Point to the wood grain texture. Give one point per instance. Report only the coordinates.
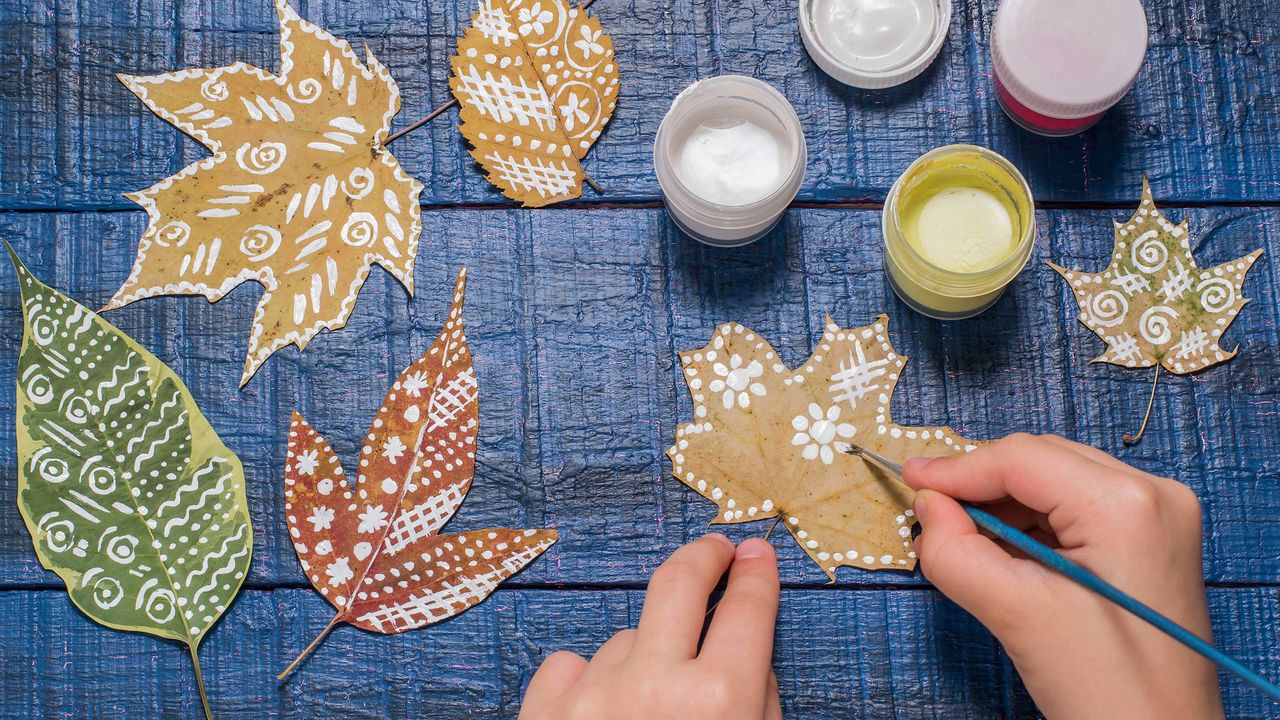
(575, 316)
(575, 325)
(875, 654)
(1201, 121)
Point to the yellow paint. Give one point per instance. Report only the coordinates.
(958, 227)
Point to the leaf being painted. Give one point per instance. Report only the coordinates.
(537, 82)
(299, 194)
(1153, 304)
(373, 547)
(128, 493)
(766, 442)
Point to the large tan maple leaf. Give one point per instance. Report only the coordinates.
(766, 442)
(298, 195)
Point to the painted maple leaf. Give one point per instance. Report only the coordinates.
(373, 548)
(766, 442)
(1153, 304)
(298, 195)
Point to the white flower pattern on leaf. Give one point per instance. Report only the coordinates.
(534, 18)
(415, 384)
(818, 431)
(572, 111)
(339, 571)
(307, 462)
(590, 42)
(321, 518)
(372, 519)
(735, 382)
(393, 449)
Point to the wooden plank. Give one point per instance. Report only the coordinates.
(575, 320)
(1201, 121)
(839, 653)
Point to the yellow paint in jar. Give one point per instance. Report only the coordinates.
(959, 225)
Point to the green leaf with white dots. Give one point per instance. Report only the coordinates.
(128, 493)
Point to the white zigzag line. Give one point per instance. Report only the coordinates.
(222, 551)
(151, 451)
(120, 396)
(199, 503)
(213, 579)
(160, 417)
(195, 482)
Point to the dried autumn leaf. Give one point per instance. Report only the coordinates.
(766, 442)
(298, 195)
(1153, 304)
(537, 83)
(128, 493)
(374, 550)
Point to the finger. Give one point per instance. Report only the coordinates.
(1040, 474)
(1094, 454)
(741, 632)
(676, 602)
(614, 651)
(966, 566)
(772, 699)
(557, 674)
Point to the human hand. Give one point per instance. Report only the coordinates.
(658, 671)
(1079, 655)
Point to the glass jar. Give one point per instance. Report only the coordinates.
(958, 226)
(730, 156)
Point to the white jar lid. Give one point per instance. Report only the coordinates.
(1068, 59)
(874, 43)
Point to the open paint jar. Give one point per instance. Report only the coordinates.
(730, 156)
(958, 226)
(874, 43)
(1059, 64)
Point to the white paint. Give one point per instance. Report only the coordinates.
(731, 161)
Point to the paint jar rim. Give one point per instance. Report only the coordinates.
(870, 75)
(717, 223)
(959, 284)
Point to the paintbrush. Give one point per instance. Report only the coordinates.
(1060, 563)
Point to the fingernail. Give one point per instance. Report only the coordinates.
(719, 538)
(754, 548)
(921, 506)
(916, 464)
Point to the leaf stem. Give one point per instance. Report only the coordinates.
(594, 185)
(1131, 439)
(204, 699)
(327, 628)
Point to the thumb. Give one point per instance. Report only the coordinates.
(967, 567)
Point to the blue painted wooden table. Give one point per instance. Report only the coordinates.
(575, 317)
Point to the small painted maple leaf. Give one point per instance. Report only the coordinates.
(537, 82)
(298, 195)
(767, 441)
(1153, 304)
(374, 548)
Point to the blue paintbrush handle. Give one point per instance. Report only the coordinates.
(1056, 561)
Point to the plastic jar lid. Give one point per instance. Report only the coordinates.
(874, 43)
(1068, 59)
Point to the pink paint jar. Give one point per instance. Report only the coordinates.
(1060, 64)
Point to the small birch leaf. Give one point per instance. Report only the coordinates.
(299, 194)
(1153, 304)
(128, 493)
(537, 82)
(767, 442)
(373, 548)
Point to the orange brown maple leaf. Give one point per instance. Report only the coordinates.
(373, 548)
(767, 442)
(299, 194)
